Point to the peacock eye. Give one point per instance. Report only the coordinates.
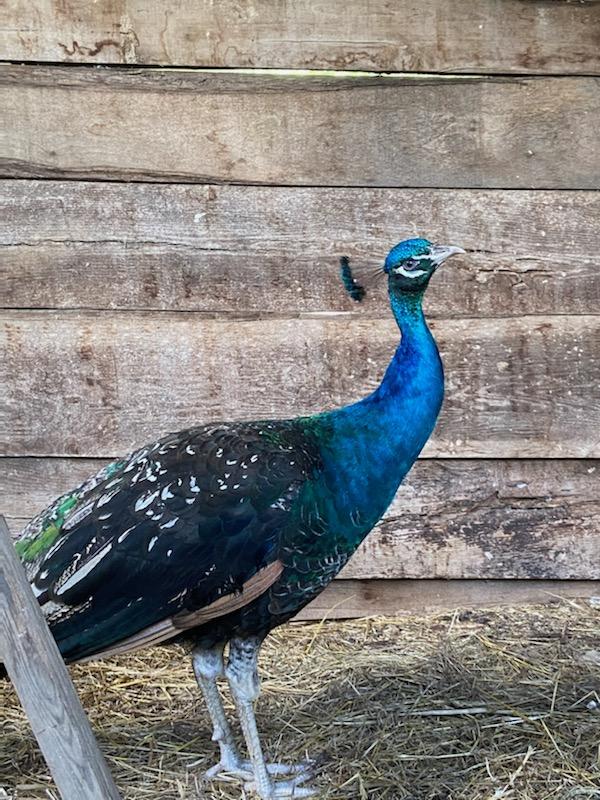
(409, 264)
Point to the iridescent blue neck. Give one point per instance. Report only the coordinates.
(376, 441)
(416, 365)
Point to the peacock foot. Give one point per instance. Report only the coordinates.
(235, 767)
(280, 789)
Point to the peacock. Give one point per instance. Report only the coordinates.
(221, 532)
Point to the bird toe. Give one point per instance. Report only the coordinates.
(302, 771)
(242, 770)
(222, 771)
(281, 789)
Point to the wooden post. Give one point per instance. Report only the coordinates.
(44, 686)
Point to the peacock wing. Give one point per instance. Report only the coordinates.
(177, 527)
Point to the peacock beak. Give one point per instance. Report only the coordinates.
(440, 252)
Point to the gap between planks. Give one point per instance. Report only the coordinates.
(226, 315)
(191, 180)
(291, 72)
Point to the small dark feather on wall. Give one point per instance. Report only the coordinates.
(351, 285)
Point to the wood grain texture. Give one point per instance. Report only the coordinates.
(266, 249)
(450, 519)
(489, 519)
(349, 599)
(430, 35)
(47, 695)
(96, 384)
(406, 131)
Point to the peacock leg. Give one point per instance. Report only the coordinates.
(208, 666)
(242, 674)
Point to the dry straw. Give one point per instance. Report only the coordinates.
(494, 705)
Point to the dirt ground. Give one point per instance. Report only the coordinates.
(465, 705)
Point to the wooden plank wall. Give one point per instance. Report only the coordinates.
(172, 221)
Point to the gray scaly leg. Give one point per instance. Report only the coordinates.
(242, 674)
(208, 666)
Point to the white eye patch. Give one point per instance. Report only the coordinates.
(413, 273)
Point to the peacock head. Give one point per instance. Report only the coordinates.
(410, 264)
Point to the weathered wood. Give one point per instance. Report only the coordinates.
(414, 131)
(348, 599)
(44, 687)
(430, 35)
(96, 384)
(489, 519)
(261, 249)
(450, 519)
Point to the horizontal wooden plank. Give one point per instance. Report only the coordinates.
(429, 35)
(95, 384)
(267, 249)
(489, 519)
(407, 131)
(450, 519)
(348, 599)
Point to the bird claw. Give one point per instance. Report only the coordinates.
(303, 771)
(282, 789)
(242, 769)
(225, 770)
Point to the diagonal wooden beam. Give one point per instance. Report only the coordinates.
(45, 689)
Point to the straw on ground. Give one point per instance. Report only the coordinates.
(476, 705)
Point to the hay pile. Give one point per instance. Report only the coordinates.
(462, 706)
